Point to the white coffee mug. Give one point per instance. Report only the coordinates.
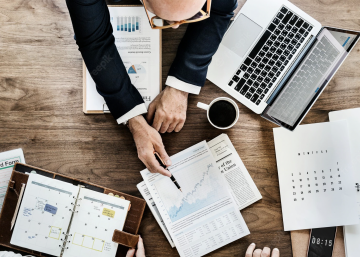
(207, 108)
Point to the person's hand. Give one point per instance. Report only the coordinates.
(140, 252)
(148, 140)
(261, 253)
(168, 110)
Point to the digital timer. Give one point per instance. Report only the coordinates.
(321, 242)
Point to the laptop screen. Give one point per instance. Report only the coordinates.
(310, 77)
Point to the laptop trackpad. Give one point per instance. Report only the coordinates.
(241, 35)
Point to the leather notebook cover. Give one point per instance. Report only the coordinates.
(300, 243)
(127, 238)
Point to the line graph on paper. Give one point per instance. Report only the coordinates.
(200, 188)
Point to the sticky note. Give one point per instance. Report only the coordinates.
(50, 208)
(108, 213)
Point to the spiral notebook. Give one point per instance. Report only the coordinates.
(61, 219)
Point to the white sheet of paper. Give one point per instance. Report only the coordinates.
(7, 162)
(154, 210)
(203, 217)
(93, 226)
(139, 50)
(231, 166)
(352, 116)
(44, 214)
(316, 176)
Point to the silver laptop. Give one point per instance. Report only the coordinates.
(276, 59)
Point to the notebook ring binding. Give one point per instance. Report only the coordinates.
(66, 234)
(78, 205)
(77, 198)
(63, 247)
(73, 211)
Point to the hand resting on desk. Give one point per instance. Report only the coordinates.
(148, 140)
(168, 110)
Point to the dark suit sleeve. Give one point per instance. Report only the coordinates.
(93, 30)
(200, 42)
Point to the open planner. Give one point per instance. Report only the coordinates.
(61, 219)
(50, 214)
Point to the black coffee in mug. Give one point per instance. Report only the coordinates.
(222, 113)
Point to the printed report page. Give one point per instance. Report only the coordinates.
(139, 48)
(204, 216)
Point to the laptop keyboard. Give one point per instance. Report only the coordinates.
(270, 55)
(305, 84)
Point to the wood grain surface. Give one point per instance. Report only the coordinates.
(41, 112)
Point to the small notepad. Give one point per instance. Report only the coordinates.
(61, 219)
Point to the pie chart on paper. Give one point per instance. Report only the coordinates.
(137, 73)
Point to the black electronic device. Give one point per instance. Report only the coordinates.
(321, 242)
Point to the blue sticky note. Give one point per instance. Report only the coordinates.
(50, 208)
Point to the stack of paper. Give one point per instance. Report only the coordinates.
(7, 162)
(215, 185)
(352, 232)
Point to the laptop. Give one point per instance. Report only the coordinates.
(276, 60)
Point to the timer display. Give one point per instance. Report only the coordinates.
(322, 242)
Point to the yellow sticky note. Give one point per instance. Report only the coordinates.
(108, 213)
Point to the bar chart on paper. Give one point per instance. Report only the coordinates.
(199, 190)
(128, 24)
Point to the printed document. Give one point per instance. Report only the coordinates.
(7, 162)
(316, 176)
(204, 216)
(352, 232)
(139, 49)
(154, 210)
(231, 166)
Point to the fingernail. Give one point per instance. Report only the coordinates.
(252, 244)
(275, 249)
(168, 162)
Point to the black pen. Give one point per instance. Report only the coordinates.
(162, 164)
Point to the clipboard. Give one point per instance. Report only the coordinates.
(105, 109)
(128, 237)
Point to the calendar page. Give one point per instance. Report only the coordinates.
(44, 214)
(316, 176)
(95, 219)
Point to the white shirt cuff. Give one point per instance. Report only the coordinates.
(181, 85)
(137, 110)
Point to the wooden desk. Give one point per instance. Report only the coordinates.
(41, 111)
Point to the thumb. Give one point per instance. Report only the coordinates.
(140, 246)
(130, 253)
(163, 154)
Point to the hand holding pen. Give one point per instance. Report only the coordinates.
(162, 164)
